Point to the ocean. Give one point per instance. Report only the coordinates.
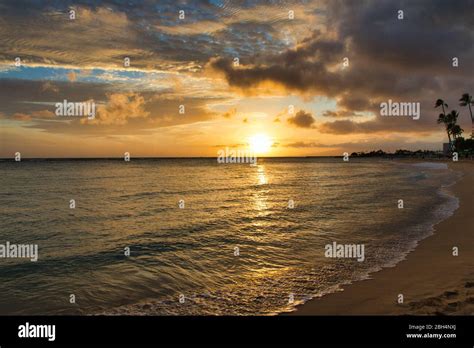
(206, 238)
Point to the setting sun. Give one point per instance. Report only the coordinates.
(260, 143)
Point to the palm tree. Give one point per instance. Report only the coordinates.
(456, 131)
(453, 116)
(453, 127)
(440, 102)
(466, 100)
(443, 119)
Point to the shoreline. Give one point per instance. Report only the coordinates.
(431, 280)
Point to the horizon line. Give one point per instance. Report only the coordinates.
(196, 157)
(156, 157)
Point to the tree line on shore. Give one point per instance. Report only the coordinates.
(399, 154)
(456, 142)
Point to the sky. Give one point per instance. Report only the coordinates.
(284, 78)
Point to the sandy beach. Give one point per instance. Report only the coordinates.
(431, 279)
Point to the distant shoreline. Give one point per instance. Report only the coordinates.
(11, 159)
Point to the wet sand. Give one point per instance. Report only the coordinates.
(431, 279)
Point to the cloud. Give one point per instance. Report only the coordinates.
(353, 101)
(231, 145)
(378, 125)
(302, 119)
(340, 113)
(302, 144)
(21, 117)
(28, 96)
(35, 115)
(49, 86)
(71, 76)
(117, 111)
(120, 107)
(230, 113)
(190, 62)
(406, 60)
(149, 33)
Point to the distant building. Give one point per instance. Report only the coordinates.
(446, 149)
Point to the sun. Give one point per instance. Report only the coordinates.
(260, 143)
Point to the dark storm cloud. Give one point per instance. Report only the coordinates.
(405, 60)
(295, 69)
(431, 33)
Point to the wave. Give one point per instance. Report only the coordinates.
(440, 213)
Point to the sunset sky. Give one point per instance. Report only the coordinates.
(190, 62)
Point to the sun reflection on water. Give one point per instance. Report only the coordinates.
(262, 179)
(261, 195)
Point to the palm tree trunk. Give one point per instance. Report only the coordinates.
(472, 121)
(447, 130)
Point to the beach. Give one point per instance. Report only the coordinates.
(431, 280)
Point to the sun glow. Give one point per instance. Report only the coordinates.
(260, 143)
